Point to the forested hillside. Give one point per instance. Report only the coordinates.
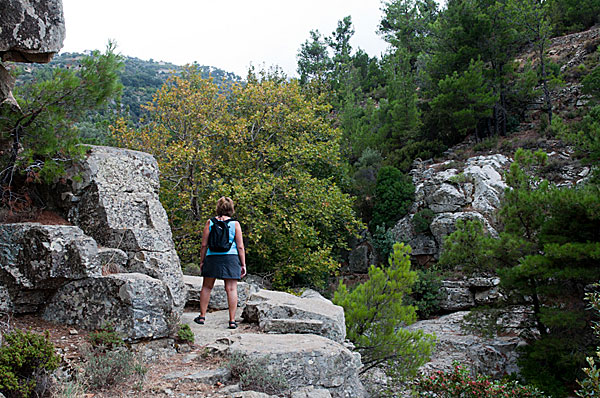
(141, 79)
(318, 162)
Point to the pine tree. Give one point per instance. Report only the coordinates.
(376, 315)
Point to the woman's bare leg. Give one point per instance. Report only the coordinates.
(232, 297)
(207, 285)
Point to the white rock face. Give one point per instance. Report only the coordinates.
(279, 312)
(307, 360)
(470, 192)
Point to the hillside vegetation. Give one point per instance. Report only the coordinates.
(314, 161)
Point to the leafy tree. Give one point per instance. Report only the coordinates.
(531, 17)
(269, 147)
(41, 138)
(590, 386)
(548, 251)
(339, 42)
(313, 60)
(568, 16)
(394, 194)
(376, 314)
(462, 101)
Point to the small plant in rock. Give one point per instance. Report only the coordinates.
(254, 374)
(185, 334)
(105, 339)
(26, 362)
(422, 220)
(459, 383)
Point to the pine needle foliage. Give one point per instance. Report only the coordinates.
(376, 315)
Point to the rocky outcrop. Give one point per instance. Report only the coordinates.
(450, 191)
(494, 356)
(137, 305)
(283, 313)
(468, 293)
(306, 360)
(218, 296)
(115, 201)
(36, 259)
(31, 31)
(116, 265)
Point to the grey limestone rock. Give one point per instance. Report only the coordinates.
(311, 392)
(307, 360)
(32, 30)
(218, 296)
(115, 200)
(6, 305)
(137, 305)
(467, 293)
(281, 312)
(494, 356)
(37, 259)
(445, 223)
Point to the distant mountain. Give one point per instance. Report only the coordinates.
(141, 79)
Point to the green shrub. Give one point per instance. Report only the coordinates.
(185, 334)
(111, 367)
(590, 386)
(26, 362)
(192, 269)
(486, 144)
(426, 293)
(254, 374)
(458, 383)
(422, 220)
(383, 241)
(376, 312)
(394, 195)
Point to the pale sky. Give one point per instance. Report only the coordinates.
(230, 35)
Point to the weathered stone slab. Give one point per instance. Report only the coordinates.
(496, 356)
(137, 305)
(211, 376)
(307, 360)
(115, 201)
(36, 259)
(32, 31)
(267, 305)
(218, 296)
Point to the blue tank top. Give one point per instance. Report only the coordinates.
(233, 249)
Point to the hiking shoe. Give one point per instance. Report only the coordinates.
(199, 320)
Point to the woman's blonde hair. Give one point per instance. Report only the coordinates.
(225, 207)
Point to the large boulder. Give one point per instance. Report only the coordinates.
(279, 312)
(218, 296)
(495, 356)
(307, 360)
(37, 259)
(138, 306)
(31, 31)
(115, 200)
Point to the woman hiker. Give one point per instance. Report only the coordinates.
(222, 256)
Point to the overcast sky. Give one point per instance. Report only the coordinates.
(230, 35)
